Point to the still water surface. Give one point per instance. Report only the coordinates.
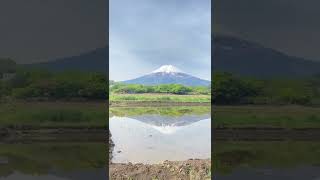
(154, 135)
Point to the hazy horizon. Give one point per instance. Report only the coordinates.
(288, 26)
(32, 31)
(144, 35)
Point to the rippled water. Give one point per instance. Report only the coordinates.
(160, 134)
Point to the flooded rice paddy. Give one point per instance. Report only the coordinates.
(153, 135)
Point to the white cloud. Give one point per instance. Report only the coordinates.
(145, 34)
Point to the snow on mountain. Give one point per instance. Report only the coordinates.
(167, 69)
(170, 125)
(168, 74)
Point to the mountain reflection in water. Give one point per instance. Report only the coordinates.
(160, 134)
(170, 125)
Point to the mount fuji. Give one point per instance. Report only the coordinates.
(168, 74)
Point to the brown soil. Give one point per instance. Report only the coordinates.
(52, 135)
(181, 170)
(265, 134)
(111, 146)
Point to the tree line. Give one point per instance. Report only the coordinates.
(33, 84)
(226, 88)
(163, 88)
(230, 89)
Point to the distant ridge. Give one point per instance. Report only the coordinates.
(230, 54)
(94, 61)
(241, 57)
(168, 74)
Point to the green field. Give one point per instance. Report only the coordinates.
(176, 111)
(159, 98)
(53, 114)
(266, 116)
(95, 114)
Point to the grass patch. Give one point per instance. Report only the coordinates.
(266, 116)
(55, 114)
(160, 98)
(162, 111)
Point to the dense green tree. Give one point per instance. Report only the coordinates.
(227, 89)
(180, 89)
(164, 88)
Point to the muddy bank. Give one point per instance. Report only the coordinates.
(190, 169)
(154, 104)
(111, 147)
(52, 134)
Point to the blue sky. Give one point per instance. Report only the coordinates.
(145, 34)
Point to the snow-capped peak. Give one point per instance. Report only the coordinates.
(167, 69)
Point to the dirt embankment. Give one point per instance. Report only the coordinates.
(11, 135)
(111, 146)
(265, 134)
(190, 169)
